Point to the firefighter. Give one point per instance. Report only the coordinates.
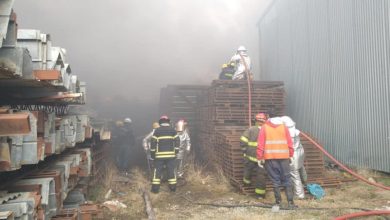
(184, 147)
(127, 142)
(242, 62)
(228, 70)
(117, 142)
(274, 151)
(298, 171)
(164, 147)
(146, 145)
(248, 143)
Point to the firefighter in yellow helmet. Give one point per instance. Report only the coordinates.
(228, 70)
(248, 143)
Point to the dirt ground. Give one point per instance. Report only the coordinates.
(212, 189)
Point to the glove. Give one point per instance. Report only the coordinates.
(260, 163)
(291, 161)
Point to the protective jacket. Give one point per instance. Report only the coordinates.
(146, 141)
(248, 142)
(240, 71)
(298, 172)
(164, 143)
(185, 144)
(227, 72)
(298, 157)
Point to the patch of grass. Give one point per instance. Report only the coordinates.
(95, 193)
(384, 180)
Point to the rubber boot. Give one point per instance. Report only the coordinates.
(172, 188)
(290, 198)
(278, 197)
(155, 188)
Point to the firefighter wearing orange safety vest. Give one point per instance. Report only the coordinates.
(248, 143)
(275, 151)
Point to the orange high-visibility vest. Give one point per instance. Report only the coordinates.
(275, 143)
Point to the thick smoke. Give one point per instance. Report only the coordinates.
(127, 50)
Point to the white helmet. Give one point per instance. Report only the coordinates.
(127, 120)
(241, 48)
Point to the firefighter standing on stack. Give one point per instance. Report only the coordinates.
(248, 142)
(164, 148)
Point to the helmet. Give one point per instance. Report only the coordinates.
(155, 125)
(232, 63)
(261, 117)
(241, 48)
(127, 120)
(119, 123)
(180, 125)
(163, 119)
(224, 65)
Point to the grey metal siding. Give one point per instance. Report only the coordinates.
(334, 57)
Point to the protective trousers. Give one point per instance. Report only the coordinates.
(159, 165)
(179, 167)
(299, 178)
(123, 158)
(279, 172)
(261, 175)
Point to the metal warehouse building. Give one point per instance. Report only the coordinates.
(334, 57)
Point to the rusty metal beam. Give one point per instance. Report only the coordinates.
(47, 74)
(14, 124)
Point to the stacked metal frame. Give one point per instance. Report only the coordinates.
(37, 89)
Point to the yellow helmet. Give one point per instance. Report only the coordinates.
(119, 123)
(155, 125)
(224, 65)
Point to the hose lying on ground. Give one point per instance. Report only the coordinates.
(361, 214)
(342, 165)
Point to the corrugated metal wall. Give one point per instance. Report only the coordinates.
(334, 57)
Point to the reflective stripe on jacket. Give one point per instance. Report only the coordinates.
(164, 143)
(248, 142)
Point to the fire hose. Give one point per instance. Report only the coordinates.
(343, 166)
(361, 214)
(249, 91)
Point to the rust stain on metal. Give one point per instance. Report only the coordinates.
(14, 124)
(47, 74)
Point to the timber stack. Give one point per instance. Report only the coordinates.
(222, 116)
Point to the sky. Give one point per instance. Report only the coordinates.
(127, 50)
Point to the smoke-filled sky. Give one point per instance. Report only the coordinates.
(128, 50)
